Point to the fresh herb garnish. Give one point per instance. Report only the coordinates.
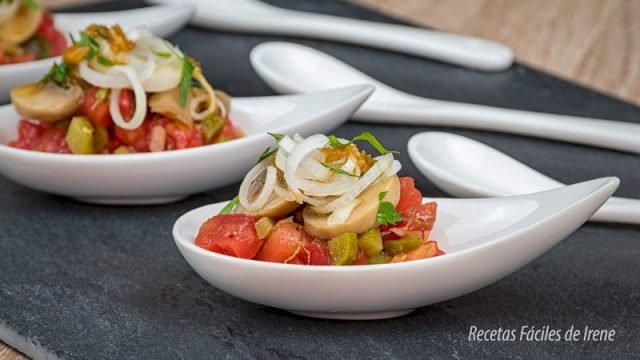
(161, 54)
(337, 169)
(230, 206)
(266, 153)
(59, 74)
(276, 136)
(90, 42)
(104, 61)
(31, 4)
(387, 214)
(365, 136)
(185, 81)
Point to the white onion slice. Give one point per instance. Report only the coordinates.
(140, 100)
(287, 144)
(341, 215)
(302, 150)
(334, 188)
(297, 137)
(166, 76)
(393, 169)
(382, 163)
(266, 190)
(284, 194)
(114, 79)
(281, 159)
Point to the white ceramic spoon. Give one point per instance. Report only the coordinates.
(484, 241)
(161, 20)
(467, 168)
(292, 68)
(162, 177)
(257, 17)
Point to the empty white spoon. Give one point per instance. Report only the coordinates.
(257, 17)
(292, 68)
(467, 168)
(484, 240)
(161, 20)
(162, 177)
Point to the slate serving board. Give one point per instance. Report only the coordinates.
(81, 281)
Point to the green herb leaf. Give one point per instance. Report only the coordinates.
(185, 81)
(335, 143)
(59, 74)
(230, 206)
(337, 170)
(31, 4)
(276, 136)
(161, 54)
(365, 136)
(91, 43)
(104, 61)
(387, 214)
(368, 137)
(266, 153)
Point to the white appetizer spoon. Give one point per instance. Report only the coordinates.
(257, 17)
(467, 168)
(161, 20)
(292, 68)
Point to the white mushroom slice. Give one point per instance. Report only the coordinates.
(22, 26)
(362, 218)
(275, 208)
(46, 103)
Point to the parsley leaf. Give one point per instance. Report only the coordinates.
(59, 74)
(387, 214)
(365, 136)
(276, 136)
(338, 170)
(104, 61)
(31, 4)
(266, 153)
(230, 206)
(185, 81)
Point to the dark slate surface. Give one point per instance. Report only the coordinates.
(80, 281)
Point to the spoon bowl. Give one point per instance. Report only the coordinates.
(464, 167)
(484, 240)
(162, 177)
(292, 68)
(162, 21)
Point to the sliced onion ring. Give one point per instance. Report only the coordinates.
(265, 191)
(295, 159)
(140, 100)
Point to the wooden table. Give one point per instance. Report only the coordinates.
(592, 42)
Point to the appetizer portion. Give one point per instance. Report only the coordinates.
(324, 201)
(27, 32)
(117, 93)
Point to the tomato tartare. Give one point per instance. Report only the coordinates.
(323, 201)
(117, 93)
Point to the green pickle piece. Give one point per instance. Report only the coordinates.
(343, 248)
(379, 258)
(264, 227)
(211, 126)
(371, 241)
(406, 243)
(100, 139)
(79, 136)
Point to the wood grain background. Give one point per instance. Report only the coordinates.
(593, 42)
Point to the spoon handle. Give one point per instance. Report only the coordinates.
(619, 210)
(609, 134)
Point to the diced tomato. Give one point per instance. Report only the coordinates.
(52, 141)
(184, 137)
(97, 111)
(48, 32)
(136, 137)
(231, 234)
(314, 253)
(361, 258)
(409, 196)
(286, 241)
(420, 218)
(28, 133)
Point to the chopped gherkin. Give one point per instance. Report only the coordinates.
(406, 243)
(371, 241)
(211, 126)
(343, 248)
(79, 136)
(379, 258)
(100, 139)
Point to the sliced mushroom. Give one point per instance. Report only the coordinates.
(167, 103)
(47, 103)
(7, 9)
(275, 208)
(361, 219)
(22, 26)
